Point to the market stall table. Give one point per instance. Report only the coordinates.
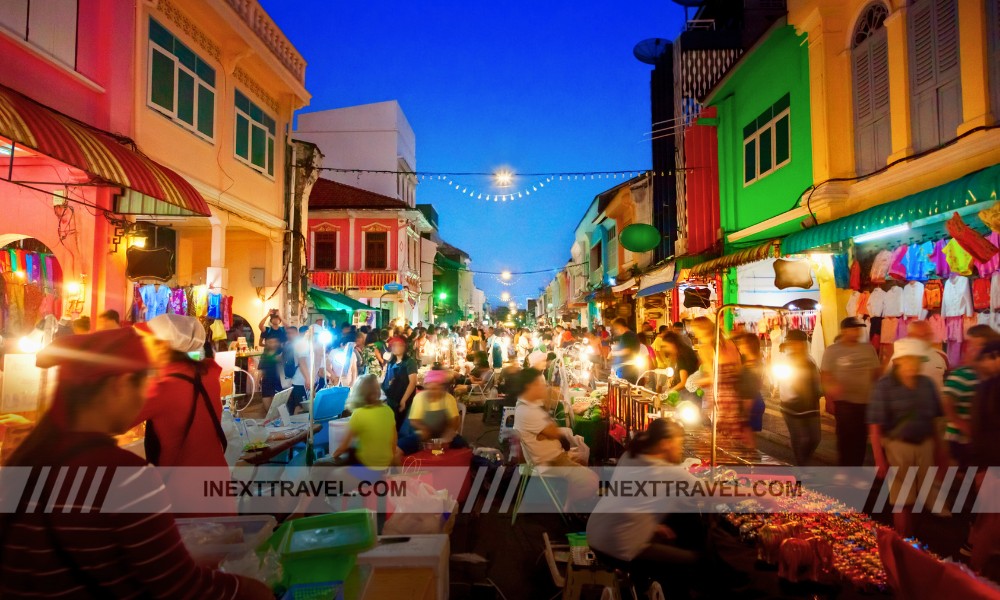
(450, 469)
(275, 447)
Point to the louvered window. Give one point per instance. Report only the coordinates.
(376, 250)
(935, 77)
(994, 53)
(325, 251)
(870, 59)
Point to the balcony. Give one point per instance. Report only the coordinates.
(362, 280)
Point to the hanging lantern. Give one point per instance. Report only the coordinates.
(640, 237)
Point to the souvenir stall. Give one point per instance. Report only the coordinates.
(947, 274)
(654, 297)
(32, 287)
(151, 298)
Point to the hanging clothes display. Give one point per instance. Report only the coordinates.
(214, 306)
(957, 299)
(959, 260)
(880, 266)
(976, 245)
(855, 276)
(178, 302)
(31, 284)
(919, 266)
(913, 300)
(155, 299)
(939, 259)
(987, 268)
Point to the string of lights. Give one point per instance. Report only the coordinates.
(502, 273)
(554, 175)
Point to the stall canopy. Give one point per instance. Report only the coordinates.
(741, 257)
(656, 282)
(327, 301)
(114, 160)
(972, 190)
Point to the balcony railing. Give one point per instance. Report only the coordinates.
(361, 280)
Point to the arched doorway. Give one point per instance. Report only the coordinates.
(31, 285)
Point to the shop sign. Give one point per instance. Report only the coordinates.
(393, 288)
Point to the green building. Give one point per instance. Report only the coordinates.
(765, 150)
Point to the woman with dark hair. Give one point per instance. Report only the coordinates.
(371, 355)
(400, 383)
(125, 542)
(681, 358)
(183, 409)
(632, 529)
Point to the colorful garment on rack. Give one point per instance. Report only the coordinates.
(227, 312)
(138, 307)
(876, 302)
(933, 293)
(981, 249)
(880, 266)
(5, 262)
(841, 271)
(33, 267)
(981, 294)
(855, 276)
(156, 298)
(954, 334)
(958, 259)
(897, 270)
(917, 261)
(957, 299)
(863, 303)
(890, 326)
(852, 304)
(941, 266)
(936, 323)
(995, 292)
(987, 268)
(215, 306)
(199, 301)
(913, 300)
(178, 302)
(893, 306)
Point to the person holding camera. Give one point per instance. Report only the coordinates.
(271, 327)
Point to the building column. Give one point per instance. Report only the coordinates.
(973, 51)
(899, 85)
(217, 275)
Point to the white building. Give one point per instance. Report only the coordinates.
(373, 137)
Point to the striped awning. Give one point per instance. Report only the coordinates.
(100, 154)
(770, 249)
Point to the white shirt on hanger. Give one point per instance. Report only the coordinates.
(852, 304)
(913, 300)
(876, 302)
(957, 299)
(893, 306)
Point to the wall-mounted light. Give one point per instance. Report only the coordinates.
(138, 241)
(881, 233)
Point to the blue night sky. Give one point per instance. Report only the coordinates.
(534, 86)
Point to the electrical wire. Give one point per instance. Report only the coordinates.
(551, 270)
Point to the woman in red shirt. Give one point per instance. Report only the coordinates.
(183, 410)
(93, 520)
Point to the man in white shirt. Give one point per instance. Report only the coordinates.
(545, 445)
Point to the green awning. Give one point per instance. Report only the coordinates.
(972, 189)
(446, 263)
(326, 301)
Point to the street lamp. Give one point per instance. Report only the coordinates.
(442, 296)
(505, 275)
(505, 296)
(503, 178)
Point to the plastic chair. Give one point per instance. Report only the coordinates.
(328, 405)
(482, 389)
(526, 470)
(462, 409)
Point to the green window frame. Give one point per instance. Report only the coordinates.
(254, 136)
(767, 141)
(180, 84)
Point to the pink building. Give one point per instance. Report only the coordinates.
(161, 123)
(359, 241)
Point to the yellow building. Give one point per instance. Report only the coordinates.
(902, 92)
(216, 84)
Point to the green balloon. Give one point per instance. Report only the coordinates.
(640, 237)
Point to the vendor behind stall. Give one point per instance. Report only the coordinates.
(105, 551)
(183, 409)
(434, 415)
(633, 529)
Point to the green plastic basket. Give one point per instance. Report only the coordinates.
(323, 548)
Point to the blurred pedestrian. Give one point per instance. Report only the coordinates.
(799, 392)
(848, 372)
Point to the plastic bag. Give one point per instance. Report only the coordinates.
(266, 568)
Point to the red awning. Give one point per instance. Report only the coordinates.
(105, 157)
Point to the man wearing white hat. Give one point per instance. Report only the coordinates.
(901, 422)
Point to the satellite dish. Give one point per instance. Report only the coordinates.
(650, 51)
(689, 3)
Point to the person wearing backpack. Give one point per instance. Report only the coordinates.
(183, 409)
